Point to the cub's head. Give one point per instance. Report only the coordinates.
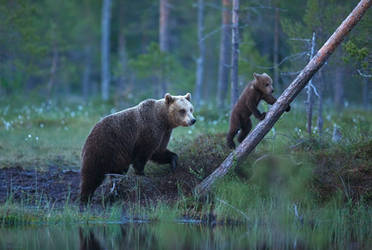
(263, 83)
(180, 110)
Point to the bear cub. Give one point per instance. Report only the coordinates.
(260, 88)
(133, 136)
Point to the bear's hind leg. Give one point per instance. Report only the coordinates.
(166, 157)
(234, 128)
(88, 185)
(246, 127)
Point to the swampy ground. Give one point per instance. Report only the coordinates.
(313, 187)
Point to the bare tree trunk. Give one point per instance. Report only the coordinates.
(87, 71)
(53, 69)
(289, 94)
(105, 49)
(338, 88)
(365, 93)
(320, 99)
(164, 37)
(200, 60)
(276, 49)
(225, 54)
(235, 54)
(310, 94)
(123, 61)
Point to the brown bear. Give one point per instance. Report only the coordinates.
(260, 88)
(133, 136)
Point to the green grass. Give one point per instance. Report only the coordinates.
(288, 169)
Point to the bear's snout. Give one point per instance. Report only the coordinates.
(192, 122)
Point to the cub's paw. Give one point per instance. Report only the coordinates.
(231, 144)
(262, 116)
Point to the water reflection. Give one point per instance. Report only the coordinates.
(162, 236)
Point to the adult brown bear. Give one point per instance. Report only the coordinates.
(133, 136)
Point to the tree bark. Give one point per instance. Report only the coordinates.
(164, 38)
(320, 99)
(105, 49)
(276, 49)
(122, 51)
(225, 54)
(200, 60)
(310, 94)
(235, 54)
(87, 71)
(365, 93)
(53, 69)
(338, 88)
(289, 94)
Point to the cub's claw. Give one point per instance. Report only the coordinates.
(263, 116)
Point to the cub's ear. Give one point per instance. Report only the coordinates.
(255, 75)
(188, 97)
(168, 98)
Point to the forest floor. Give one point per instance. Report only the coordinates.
(40, 147)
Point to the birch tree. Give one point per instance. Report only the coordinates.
(235, 53)
(310, 91)
(201, 58)
(163, 38)
(276, 46)
(225, 54)
(105, 49)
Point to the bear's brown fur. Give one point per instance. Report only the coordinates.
(132, 136)
(260, 88)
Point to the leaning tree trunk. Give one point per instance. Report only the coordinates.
(235, 54)
(105, 49)
(310, 94)
(225, 54)
(200, 60)
(164, 38)
(289, 94)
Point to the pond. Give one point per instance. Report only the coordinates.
(156, 235)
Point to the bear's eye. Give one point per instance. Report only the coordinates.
(182, 111)
(267, 85)
(191, 110)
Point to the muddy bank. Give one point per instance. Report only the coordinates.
(60, 184)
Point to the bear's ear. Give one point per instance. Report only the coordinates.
(188, 97)
(256, 76)
(168, 98)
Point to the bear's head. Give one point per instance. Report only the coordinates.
(180, 110)
(263, 83)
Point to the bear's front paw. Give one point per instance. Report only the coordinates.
(174, 162)
(262, 116)
(288, 109)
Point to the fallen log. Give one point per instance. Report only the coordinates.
(289, 94)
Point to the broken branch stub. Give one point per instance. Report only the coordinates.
(289, 94)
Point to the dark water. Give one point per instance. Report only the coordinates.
(156, 236)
